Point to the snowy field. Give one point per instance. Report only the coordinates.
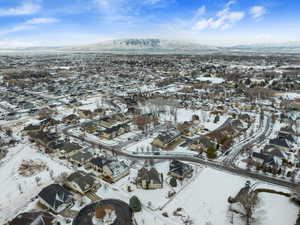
(290, 95)
(206, 119)
(214, 80)
(205, 201)
(14, 202)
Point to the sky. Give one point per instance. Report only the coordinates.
(27, 23)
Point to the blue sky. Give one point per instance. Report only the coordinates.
(219, 22)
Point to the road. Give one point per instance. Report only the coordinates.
(235, 150)
(171, 156)
(227, 166)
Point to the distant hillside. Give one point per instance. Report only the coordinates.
(287, 47)
(142, 44)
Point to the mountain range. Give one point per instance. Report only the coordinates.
(152, 45)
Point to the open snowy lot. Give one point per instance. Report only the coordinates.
(205, 201)
(13, 202)
(206, 119)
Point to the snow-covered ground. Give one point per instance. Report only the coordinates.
(12, 202)
(206, 119)
(214, 80)
(290, 95)
(276, 210)
(205, 201)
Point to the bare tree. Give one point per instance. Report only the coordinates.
(38, 179)
(20, 188)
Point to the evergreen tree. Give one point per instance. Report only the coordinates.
(173, 182)
(135, 204)
(211, 152)
(217, 119)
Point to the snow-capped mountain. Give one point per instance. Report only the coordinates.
(143, 44)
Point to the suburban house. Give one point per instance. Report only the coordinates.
(80, 158)
(287, 130)
(68, 149)
(45, 113)
(85, 114)
(71, 119)
(36, 218)
(31, 128)
(56, 198)
(142, 120)
(266, 160)
(166, 138)
(180, 170)
(115, 170)
(110, 133)
(42, 138)
(149, 179)
(200, 144)
(99, 112)
(110, 121)
(274, 151)
(49, 122)
(81, 182)
(111, 170)
(280, 143)
(90, 127)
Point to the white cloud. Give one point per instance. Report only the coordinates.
(42, 20)
(16, 29)
(258, 12)
(224, 19)
(201, 11)
(27, 8)
(152, 2)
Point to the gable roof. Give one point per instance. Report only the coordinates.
(82, 179)
(33, 218)
(168, 136)
(55, 195)
(268, 159)
(179, 168)
(279, 142)
(287, 136)
(149, 175)
(100, 161)
(82, 156)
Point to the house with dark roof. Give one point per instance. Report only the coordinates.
(86, 114)
(81, 182)
(99, 112)
(42, 138)
(180, 170)
(112, 132)
(111, 170)
(166, 138)
(68, 149)
(49, 122)
(149, 179)
(289, 137)
(275, 152)
(80, 158)
(33, 218)
(31, 128)
(201, 144)
(287, 130)
(71, 119)
(56, 198)
(280, 143)
(266, 160)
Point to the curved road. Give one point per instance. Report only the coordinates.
(227, 166)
